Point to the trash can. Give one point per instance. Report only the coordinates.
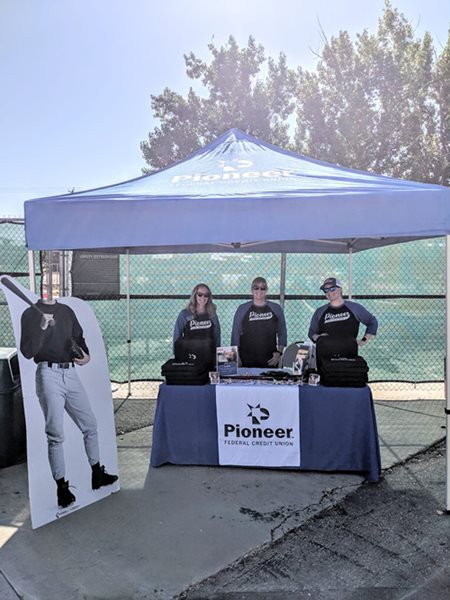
(12, 418)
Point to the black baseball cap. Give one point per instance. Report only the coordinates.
(331, 282)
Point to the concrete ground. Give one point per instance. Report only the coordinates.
(172, 528)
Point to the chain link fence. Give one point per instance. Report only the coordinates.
(402, 285)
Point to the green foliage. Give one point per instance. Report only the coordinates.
(239, 96)
(441, 90)
(379, 103)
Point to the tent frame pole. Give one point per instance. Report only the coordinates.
(127, 270)
(283, 280)
(350, 272)
(447, 371)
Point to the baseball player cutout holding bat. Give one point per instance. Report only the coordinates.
(53, 337)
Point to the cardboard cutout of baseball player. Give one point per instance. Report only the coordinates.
(67, 400)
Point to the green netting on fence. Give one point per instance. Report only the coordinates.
(403, 285)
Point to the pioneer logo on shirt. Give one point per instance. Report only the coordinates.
(257, 316)
(332, 318)
(194, 324)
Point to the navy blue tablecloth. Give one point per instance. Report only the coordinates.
(338, 430)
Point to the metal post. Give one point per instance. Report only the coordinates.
(447, 370)
(62, 273)
(31, 271)
(67, 267)
(127, 270)
(283, 280)
(350, 272)
(49, 289)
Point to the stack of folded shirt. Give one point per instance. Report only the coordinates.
(183, 373)
(344, 372)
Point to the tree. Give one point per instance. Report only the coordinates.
(441, 88)
(379, 103)
(239, 96)
(376, 104)
(334, 109)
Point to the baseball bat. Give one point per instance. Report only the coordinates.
(18, 292)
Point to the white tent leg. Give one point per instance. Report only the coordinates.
(127, 269)
(447, 370)
(350, 273)
(282, 287)
(31, 271)
(283, 280)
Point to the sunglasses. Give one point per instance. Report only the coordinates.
(260, 287)
(203, 294)
(330, 289)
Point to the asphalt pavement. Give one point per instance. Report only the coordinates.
(382, 542)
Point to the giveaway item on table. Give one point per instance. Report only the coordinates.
(214, 377)
(227, 360)
(344, 372)
(184, 373)
(314, 379)
(257, 376)
(301, 361)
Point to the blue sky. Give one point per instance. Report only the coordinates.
(77, 75)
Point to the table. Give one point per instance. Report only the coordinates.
(338, 430)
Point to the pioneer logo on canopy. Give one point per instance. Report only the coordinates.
(257, 414)
(233, 170)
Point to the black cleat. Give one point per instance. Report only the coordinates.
(100, 477)
(65, 496)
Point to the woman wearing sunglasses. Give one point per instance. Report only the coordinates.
(197, 329)
(340, 319)
(259, 329)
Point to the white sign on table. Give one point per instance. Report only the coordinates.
(258, 425)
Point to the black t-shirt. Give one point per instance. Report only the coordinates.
(258, 340)
(339, 322)
(197, 342)
(53, 344)
(199, 327)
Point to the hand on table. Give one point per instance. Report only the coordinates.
(274, 361)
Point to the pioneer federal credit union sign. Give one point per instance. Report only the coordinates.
(258, 425)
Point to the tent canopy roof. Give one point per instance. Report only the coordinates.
(241, 194)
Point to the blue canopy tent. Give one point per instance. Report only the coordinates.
(239, 194)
